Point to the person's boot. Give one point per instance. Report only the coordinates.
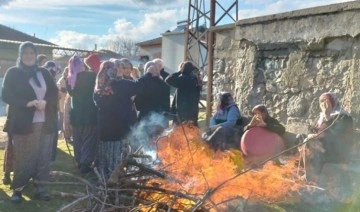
(16, 197)
(6, 179)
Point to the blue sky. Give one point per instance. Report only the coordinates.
(84, 23)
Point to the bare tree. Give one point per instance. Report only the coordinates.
(124, 46)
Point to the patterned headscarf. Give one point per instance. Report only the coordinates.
(106, 74)
(75, 66)
(118, 64)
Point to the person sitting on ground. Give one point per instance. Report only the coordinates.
(262, 118)
(224, 131)
(334, 132)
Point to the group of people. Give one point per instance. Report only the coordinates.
(331, 136)
(97, 103)
(227, 125)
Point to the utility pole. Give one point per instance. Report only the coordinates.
(200, 38)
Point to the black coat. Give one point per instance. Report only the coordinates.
(154, 96)
(114, 112)
(272, 125)
(83, 111)
(338, 138)
(17, 92)
(187, 96)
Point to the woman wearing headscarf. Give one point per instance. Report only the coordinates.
(114, 106)
(154, 97)
(224, 128)
(93, 63)
(80, 86)
(54, 70)
(32, 96)
(188, 87)
(61, 84)
(334, 131)
(262, 118)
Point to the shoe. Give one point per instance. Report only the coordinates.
(16, 197)
(42, 195)
(6, 179)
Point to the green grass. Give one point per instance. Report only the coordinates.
(64, 162)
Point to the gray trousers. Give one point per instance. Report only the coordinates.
(85, 141)
(32, 153)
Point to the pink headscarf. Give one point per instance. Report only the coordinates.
(334, 105)
(75, 66)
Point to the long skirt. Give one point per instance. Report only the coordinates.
(110, 154)
(85, 144)
(32, 154)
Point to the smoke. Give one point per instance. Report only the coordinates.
(145, 132)
(5, 2)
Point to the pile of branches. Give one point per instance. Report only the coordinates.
(126, 189)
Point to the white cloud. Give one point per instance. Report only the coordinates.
(4, 2)
(75, 40)
(41, 4)
(150, 26)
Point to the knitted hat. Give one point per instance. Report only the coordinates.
(93, 62)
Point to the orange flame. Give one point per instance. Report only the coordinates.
(193, 168)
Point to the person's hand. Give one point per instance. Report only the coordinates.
(41, 105)
(32, 103)
(253, 122)
(180, 67)
(261, 122)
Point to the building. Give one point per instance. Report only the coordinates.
(150, 49)
(9, 46)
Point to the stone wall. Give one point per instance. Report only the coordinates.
(287, 60)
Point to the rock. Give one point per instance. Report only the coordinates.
(296, 106)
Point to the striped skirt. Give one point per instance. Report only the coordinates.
(110, 154)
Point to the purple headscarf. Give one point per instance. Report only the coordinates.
(75, 66)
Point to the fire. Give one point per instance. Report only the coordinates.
(193, 168)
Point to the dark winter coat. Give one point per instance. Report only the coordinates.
(187, 96)
(338, 138)
(272, 125)
(115, 110)
(83, 110)
(17, 92)
(154, 96)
